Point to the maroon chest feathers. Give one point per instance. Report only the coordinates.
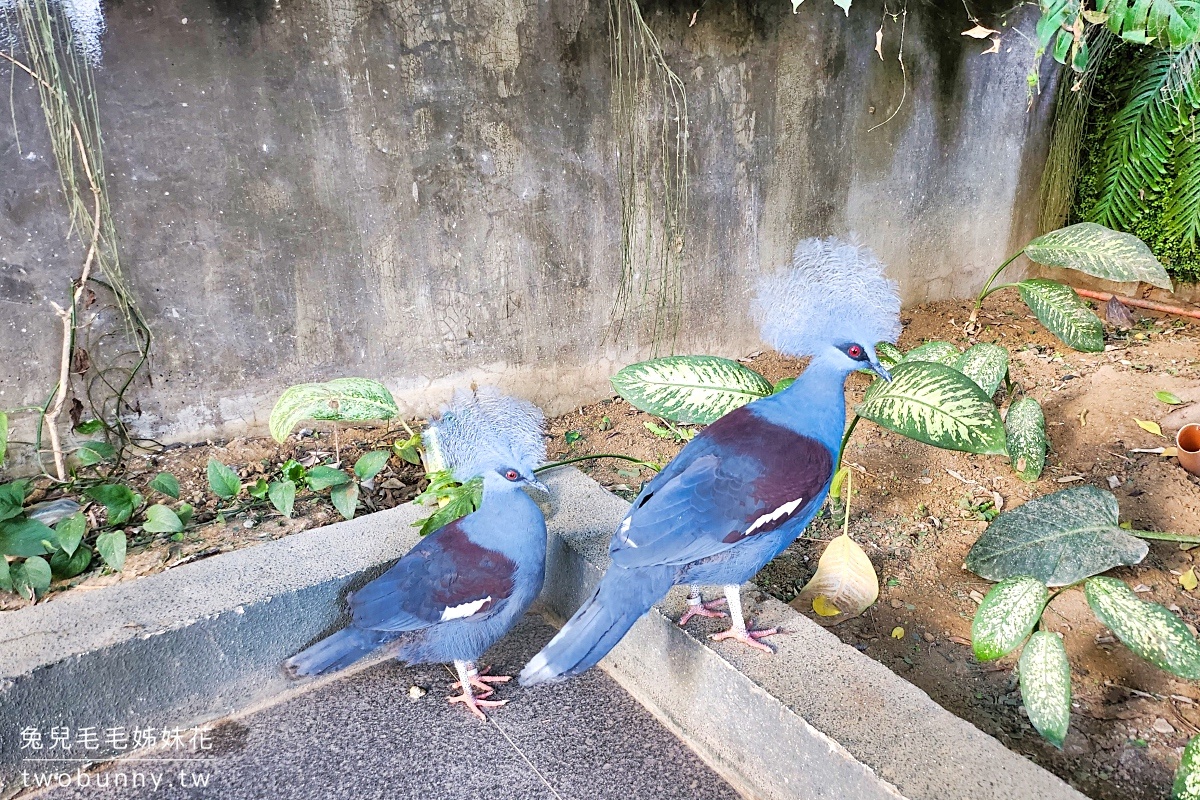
(476, 571)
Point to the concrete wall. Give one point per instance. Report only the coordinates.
(425, 191)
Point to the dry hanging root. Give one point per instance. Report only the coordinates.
(68, 316)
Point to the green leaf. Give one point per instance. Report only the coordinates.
(408, 449)
(31, 577)
(572, 437)
(340, 400)
(184, 512)
(3, 436)
(92, 453)
(160, 519)
(259, 490)
(888, 354)
(345, 499)
(937, 352)
(5, 575)
(1006, 616)
(369, 464)
(222, 480)
(689, 389)
(293, 471)
(63, 565)
(1148, 629)
(463, 499)
(1025, 434)
(1187, 777)
(89, 427)
(111, 547)
(935, 404)
(69, 532)
(1062, 312)
(166, 483)
(322, 477)
(1100, 252)
(12, 499)
(25, 537)
(1045, 676)
(118, 499)
(1059, 539)
(986, 364)
(783, 384)
(283, 496)
(1168, 23)
(1168, 398)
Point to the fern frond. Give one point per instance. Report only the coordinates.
(1138, 142)
(1181, 219)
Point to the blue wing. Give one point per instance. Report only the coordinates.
(446, 576)
(742, 476)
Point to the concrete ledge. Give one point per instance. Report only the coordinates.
(202, 641)
(816, 720)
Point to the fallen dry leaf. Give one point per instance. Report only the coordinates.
(844, 585)
(995, 48)
(980, 32)
(897, 632)
(879, 42)
(1149, 426)
(1188, 580)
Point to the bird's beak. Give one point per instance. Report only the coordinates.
(536, 484)
(881, 372)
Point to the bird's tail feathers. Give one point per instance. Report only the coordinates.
(622, 597)
(334, 652)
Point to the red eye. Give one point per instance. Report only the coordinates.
(854, 351)
(512, 475)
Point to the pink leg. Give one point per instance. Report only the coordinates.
(468, 677)
(698, 608)
(738, 632)
(480, 681)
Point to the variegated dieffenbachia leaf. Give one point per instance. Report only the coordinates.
(689, 389)
(1187, 777)
(339, 400)
(1045, 676)
(1100, 252)
(888, 354)
(1062, 312)
(1148, 629)
(1059, 539)
(935, 404)
(937, 352)
(1025, 432)
(1006, 616)
(984, 363)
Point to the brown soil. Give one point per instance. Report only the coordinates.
(911, 512)
(909, 515)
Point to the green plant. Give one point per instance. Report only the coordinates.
(937, 395)
(1086, 247)
(1060, 541)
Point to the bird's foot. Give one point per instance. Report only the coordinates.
(475, 704)
(481, 681)
(750, 638)
(703, 610)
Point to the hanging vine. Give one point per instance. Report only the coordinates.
(650, 115)
(58, 50)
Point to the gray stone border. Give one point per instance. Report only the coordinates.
(205, 640)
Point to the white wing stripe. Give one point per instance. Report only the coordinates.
(464, 610)
(782, 511)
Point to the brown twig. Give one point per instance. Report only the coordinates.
(1104, 297)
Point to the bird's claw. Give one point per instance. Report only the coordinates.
(703, 610)
(481, 682)
(747, 637)
(475, 704)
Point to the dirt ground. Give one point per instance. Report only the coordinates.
(914, 512)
